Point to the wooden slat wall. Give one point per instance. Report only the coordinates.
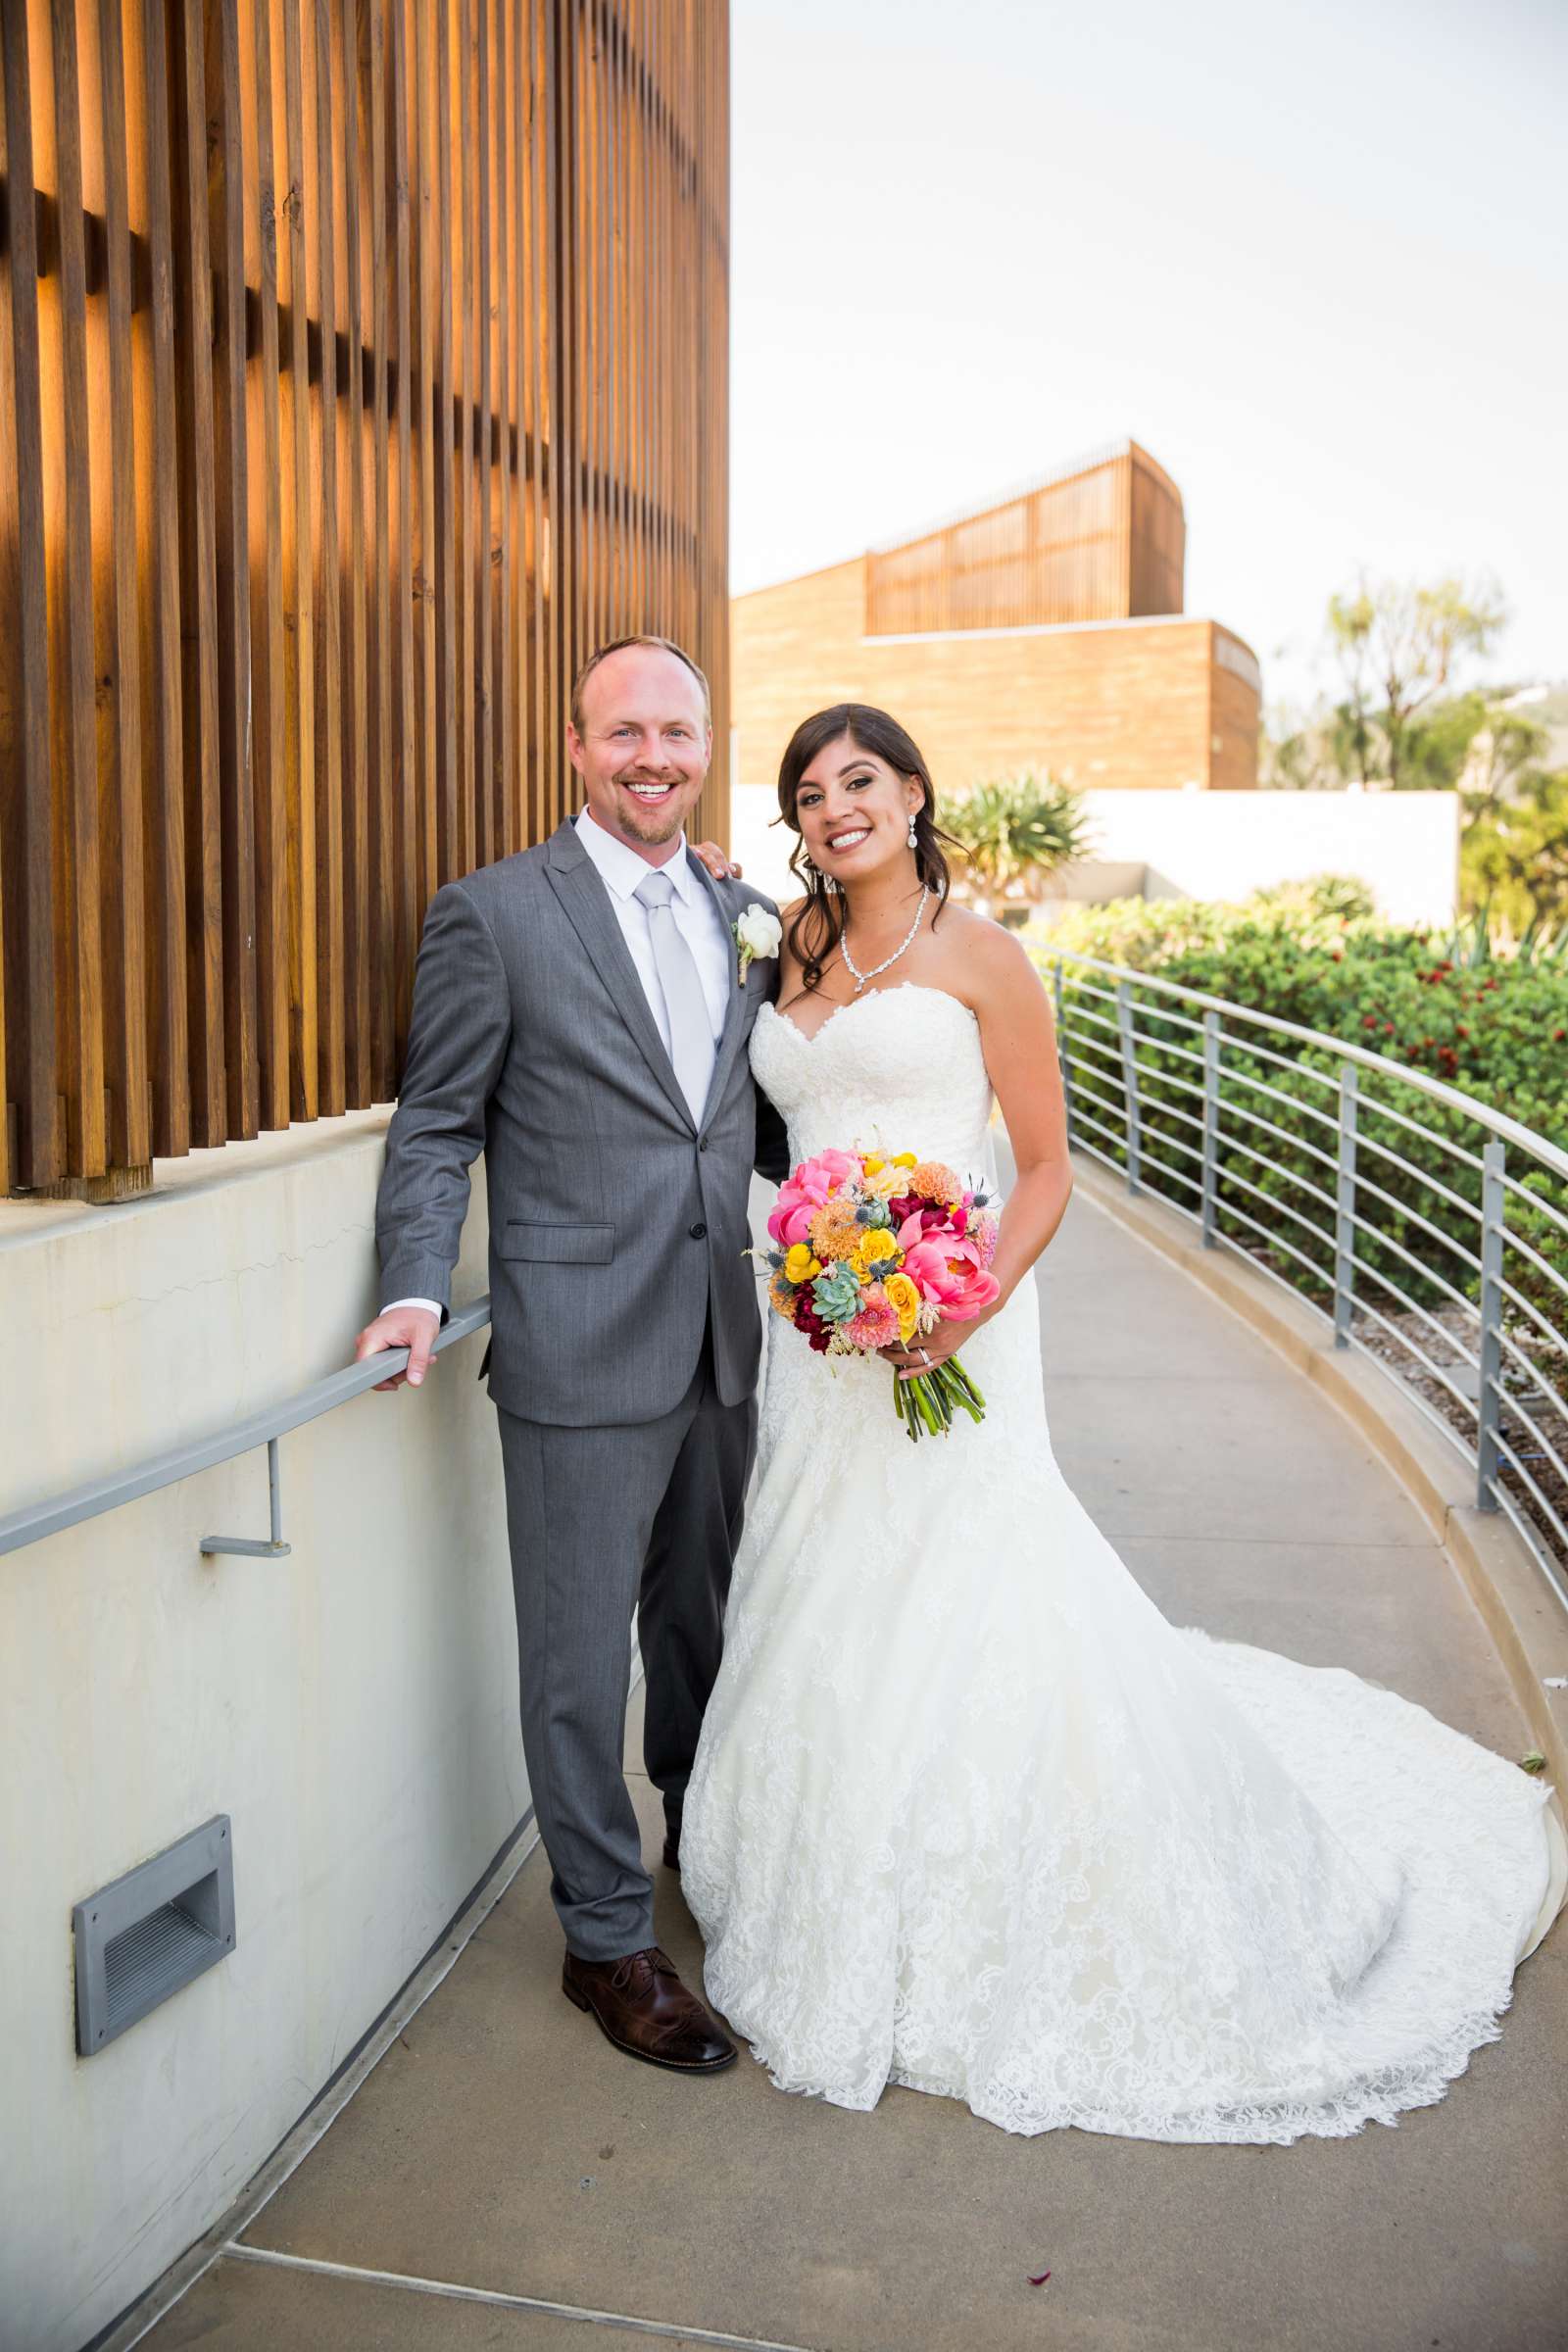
(362, 364)
(1100, 541)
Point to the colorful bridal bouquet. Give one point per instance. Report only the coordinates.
(872, 1250)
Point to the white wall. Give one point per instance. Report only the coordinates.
(1218, 845)
(1222, 845)
(351, 1708)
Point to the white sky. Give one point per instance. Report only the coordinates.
(1314, 258)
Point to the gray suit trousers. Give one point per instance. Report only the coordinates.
(602, 1521)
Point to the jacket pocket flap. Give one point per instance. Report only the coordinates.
(558, 1245)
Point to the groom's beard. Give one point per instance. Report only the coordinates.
(657, 824)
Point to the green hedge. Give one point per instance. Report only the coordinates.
(1313, 955)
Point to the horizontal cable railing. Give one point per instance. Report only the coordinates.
(1428, 1230)
(87, 1502)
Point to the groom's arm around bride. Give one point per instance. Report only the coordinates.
(581, 1013)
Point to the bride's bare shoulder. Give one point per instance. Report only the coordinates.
(991, 963)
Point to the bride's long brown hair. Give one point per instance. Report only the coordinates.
(818, 926)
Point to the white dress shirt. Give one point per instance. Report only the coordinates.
(696, 917)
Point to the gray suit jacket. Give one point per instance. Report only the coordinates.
(618, 1223)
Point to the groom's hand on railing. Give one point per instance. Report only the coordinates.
(411, 1327)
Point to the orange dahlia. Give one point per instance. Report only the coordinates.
(836, 1232)
(933, 1181)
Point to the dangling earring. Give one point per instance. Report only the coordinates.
(830, 888)
(913, 843)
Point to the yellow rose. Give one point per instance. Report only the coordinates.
(903, 1297)
(877, 1247)
(801, 1265)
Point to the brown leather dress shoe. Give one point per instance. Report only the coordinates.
(640, 2004)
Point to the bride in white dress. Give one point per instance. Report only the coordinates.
(969, 1814)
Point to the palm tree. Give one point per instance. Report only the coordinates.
(1016, 833)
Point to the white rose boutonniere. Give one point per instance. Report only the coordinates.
(757, 933)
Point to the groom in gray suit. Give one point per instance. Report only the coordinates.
(580, 1014)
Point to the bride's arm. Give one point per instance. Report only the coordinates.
(1019, 1036)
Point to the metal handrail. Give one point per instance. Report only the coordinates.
(36, 1520)
(1492, 1429)
(1497, 1122)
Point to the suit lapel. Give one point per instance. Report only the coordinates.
(585, 901)
(735, 1008)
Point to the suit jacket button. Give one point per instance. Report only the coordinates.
(699, 1233)
(702, 1143)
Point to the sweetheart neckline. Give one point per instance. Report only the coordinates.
(812, 1037)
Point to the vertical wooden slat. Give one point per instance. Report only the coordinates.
(231, 534)
(486, 831)
(321, 132)
(544, 309)
(31, 1152)
(265, 508)
(116, 666)
(381, 1075)
(449, 848)
(158, 503)
(465, 373)
(351, 568)
(68, 525)
(567, 505)
(195, 484)
(296, 512)
(423, 289)
(528, 340)
(403, 784)
(509, 408)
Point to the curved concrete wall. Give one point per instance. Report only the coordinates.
(353, 1707)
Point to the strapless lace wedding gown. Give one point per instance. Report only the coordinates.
(969, 1815)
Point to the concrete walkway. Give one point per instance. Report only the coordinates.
(504, 2179)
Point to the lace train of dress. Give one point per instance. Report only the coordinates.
(969, 1815)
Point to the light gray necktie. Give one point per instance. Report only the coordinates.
(691, 1028)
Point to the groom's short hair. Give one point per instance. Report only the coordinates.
(663, 645)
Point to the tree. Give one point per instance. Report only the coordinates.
(1294, 753)
(1503, 752)
(1017, 832)
(1398, 645)
(1513, 861)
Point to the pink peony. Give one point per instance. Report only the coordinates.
(950, 1274)
(804, 1193)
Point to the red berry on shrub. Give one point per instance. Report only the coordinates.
(1387, 1028)
(1460, 1030)
(1559, 1035)
(1371, 1021)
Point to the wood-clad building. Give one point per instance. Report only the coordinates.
(1042, 630)
(362, 364)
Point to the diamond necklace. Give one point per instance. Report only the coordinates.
(860, 978)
